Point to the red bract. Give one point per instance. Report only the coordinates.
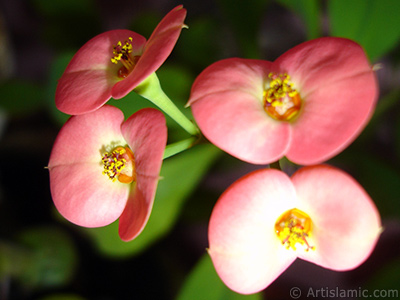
(103, 168)
(265, 220)
(308, 105)
(115, 62)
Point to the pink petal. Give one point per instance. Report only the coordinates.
(81, 193)
(156, 51)
(346, 222)
(227, 103)
(82, 138)
(86, 197)
(138, 208)
(88, 79)
(146, 133)
(244, 248)
(339, 90)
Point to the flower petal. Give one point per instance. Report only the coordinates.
(81, 193)
(157, 49)
(226, 101)
(86, 197)
(339, 90)
(327, 124)
(88, 79)
(146, 133)
(138, 208)
(244, 248)
(346, 222)
(321, 62)
(83, 138)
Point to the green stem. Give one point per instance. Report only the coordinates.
(178, 147)
(151, 90)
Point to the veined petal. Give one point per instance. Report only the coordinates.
(227, 103)
(244, 248)
(156, 51)
(333, 116)
(146, 133)
(323, 61)
(84, 138)
(88, 79)
(86, 197)
(246, 75)
(138, 208)
(346, 223)
(339, 91)
(81, 193)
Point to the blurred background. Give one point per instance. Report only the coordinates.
(44, 257)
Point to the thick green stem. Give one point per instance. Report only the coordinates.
(151, 90)
(178, 147)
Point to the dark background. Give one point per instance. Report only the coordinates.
(44, 257)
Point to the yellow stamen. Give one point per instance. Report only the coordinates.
(122, 53)
(294, 227)
(119, 164)
(281, 101)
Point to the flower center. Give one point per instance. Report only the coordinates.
(294, 227)
(119, 164)
(122, 53)
(281, 101)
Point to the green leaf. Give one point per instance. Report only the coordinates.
(203, 283)
(13, 260)
(309, 11)
(52, 257)
(373, 24)
(180, 175)
(20, 97)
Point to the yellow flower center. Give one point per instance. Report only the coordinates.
(119, 164)
(294, 227)
(281, 101)
(122, 53)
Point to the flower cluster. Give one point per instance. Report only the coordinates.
(307, 106)
(101, 167)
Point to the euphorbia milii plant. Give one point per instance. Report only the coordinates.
(307, 105)
(103, 168)
(115, 62)
(265, 220)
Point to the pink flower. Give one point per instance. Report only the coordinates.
(115, 62)
(265, 220)
(103, 168)
(308, 105)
